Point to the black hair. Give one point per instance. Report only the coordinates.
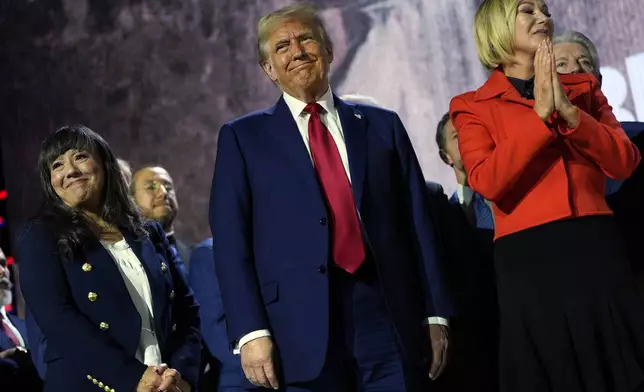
(72, 227)
(440, 136)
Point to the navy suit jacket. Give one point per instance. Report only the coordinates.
(626, 199)
(268, 214)
(6, 343)
(97, 340)
(469, 256)
(38, 344)
(204, 283)
(470, 275)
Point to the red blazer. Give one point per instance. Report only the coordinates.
(536, 172)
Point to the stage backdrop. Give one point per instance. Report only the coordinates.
(158, 78)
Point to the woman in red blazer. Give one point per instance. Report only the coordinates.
(539, 146)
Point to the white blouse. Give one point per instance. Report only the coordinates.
(138, 285)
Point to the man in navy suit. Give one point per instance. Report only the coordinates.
(205, 285)
(324, 239)
(466, 236)
(17, 372)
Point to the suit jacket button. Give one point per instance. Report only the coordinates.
(89, 377)
(92, 296)
(174, 327)
(104, 326)
(164, 267)
(101, 385)
(322, 269)
(172, 294)
(87, 267)
(322, 221)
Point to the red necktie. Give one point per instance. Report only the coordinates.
(348, 247)
(8, 331)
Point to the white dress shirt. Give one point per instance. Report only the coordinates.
(332, 121)
(465, 195)
(12, 328)
(138, 285)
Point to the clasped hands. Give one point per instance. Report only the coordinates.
(549, 94)
(162, 379)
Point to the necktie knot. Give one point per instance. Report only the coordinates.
(314, 108)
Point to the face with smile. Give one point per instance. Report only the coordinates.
(532, 26)
(77, 177)
(297, 60)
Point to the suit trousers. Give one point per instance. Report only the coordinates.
(363, 353)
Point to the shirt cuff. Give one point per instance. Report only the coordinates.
(260, 333)
(436, 320)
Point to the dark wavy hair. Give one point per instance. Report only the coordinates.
(71, 226)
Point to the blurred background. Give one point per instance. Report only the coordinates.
(158, 78)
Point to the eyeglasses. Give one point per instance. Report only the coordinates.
(155, 186)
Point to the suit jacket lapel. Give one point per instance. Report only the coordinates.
(19, 325)
(354, 128)
(105, 267)
(284, 129)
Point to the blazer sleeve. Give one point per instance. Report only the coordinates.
(204, 282)
(437, 300)
(231, 225)
(600, 137)
(494, 167)
(37, 344)
(186, 340)
(46, 290)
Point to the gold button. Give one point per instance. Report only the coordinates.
(87, 267)
(164, 267)
(101, 385)
(172, 294)
(89, 377)
(104, 326)
(174, 327)
(95, 381)
(107, 389)
(92, 296)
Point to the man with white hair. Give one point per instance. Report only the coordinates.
(17, 372)
(574, 53)
(323, 238)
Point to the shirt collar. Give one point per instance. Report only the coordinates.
(3, 312)
(524, 87)
(296, 106)
(465, 194)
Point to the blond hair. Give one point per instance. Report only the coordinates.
(494, 31)
(301, 12)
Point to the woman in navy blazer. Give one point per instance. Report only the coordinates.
(102, 284)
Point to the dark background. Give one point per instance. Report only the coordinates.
(158, 78)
